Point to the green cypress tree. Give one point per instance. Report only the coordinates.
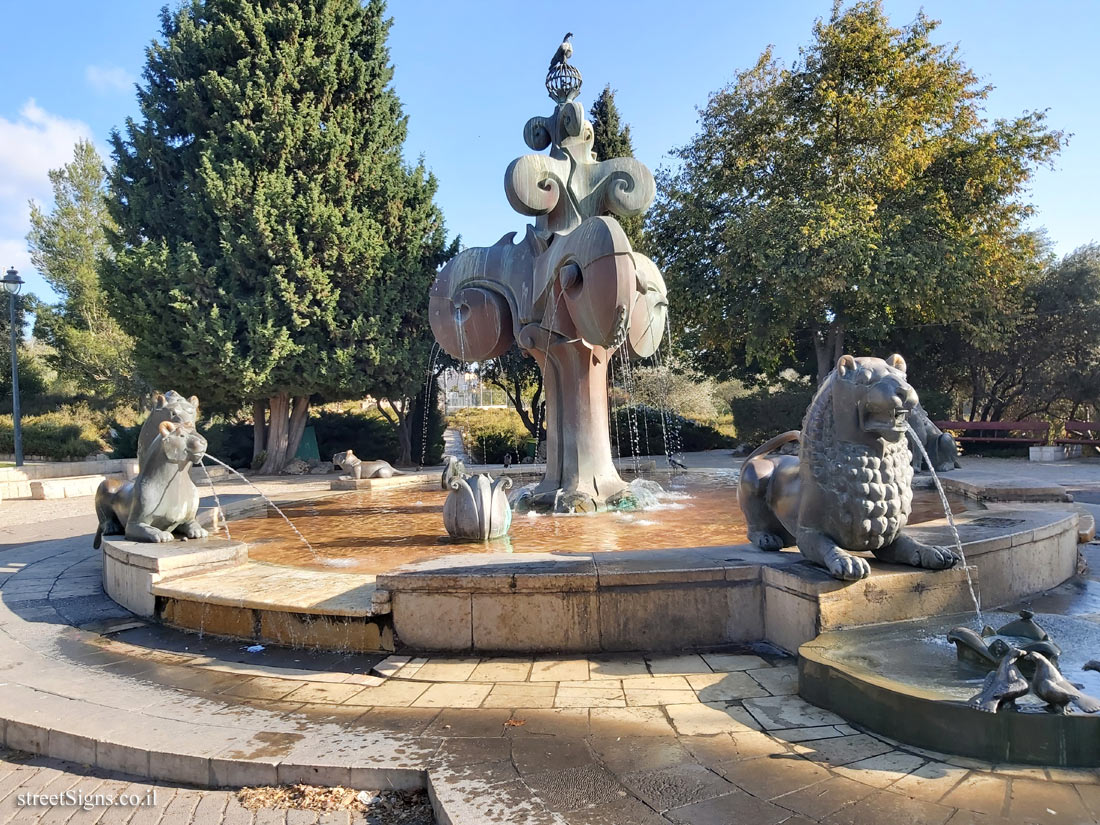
(611, 139)
(67, 245)
(272, 244)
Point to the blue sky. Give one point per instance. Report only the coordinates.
(470, 74)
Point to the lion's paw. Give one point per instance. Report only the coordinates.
(847, 567)
(931, 557)
(767, 541)
(162, 535)
(193, 531)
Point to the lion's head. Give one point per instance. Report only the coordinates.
(871, 399)
(179, 443)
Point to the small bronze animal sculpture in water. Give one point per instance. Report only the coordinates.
(356, 468)
(162, 502)
(850, 487)
(940, 446)
(1003, 686)
(453, 469)
(171, 406)
(1056, 690)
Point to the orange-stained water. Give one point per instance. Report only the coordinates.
(375, 531)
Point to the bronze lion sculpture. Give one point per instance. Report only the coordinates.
(162, 502)
(850, 486)
(171, 406)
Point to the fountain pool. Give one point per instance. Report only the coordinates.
(377, 530)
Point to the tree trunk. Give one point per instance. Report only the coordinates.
(277, 434)
(402, 423)
(299, 416)
(828, 347)
(259, 428)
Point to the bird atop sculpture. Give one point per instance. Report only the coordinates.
(1057, 691)
(1003, 686)
(564, 52)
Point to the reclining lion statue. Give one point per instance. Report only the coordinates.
(356, 468)
(849, 487)
(162, 502)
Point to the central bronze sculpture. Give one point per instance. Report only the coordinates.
(570, 294)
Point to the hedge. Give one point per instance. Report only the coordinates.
(765, 414)
(68, 433)
(651, 425)
(490, 433)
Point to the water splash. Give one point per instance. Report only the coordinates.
(271, 503)
(974, 595)
(432, 356)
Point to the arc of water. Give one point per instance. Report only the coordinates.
(974, 594)
(217, 502)
(432, 356)
(271, 503)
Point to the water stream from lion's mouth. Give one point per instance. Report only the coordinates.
(974, 596)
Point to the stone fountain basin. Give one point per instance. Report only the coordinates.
(903, 680)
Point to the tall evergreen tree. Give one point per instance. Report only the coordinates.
(857, 191)
(68, 245)
(272, 243)
(611, 139)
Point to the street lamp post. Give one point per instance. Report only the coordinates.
(12, 283)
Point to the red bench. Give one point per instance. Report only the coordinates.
(999, 432)
(1082, 433)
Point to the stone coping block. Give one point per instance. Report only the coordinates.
(631, 600)
(174, 555)
(394, 482)
(69, 469)
(273, 587)
(990, 487)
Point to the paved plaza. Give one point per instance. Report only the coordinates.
(711, 737)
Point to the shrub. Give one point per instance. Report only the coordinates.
(684, 434)
(67, 433)
(768, 412)
(490, 433)
(229, 441)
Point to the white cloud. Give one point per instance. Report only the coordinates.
(108, 79)
(31, 144)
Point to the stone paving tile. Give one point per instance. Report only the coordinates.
(262, 687)
(484, 760)
(453, 695)
(440, 669)
(722, 687)
(468, 722)
(781, 680)
(882, 770)
(1044, 802)
(696, 718)
(615, 668)
(737, 808)
(525, 695)
(980, 792)
(326, 693)
(533, 755)
(578, 786)
(656, 683)
(824, 798)
(677, 665)
(770, 777)
(391, 665)
(586, 697)
(789, 712)
(884, 807)
(617, 812)
(931, 781)
(1075, 776)
(629, 722)
(1090, 795)
(394, 693)
(641, 697)
(732, 747)
(545, 722)
(725, 662)
(501, 670)
(675, 786)
(623, 754)
(843, 749)
(559, 670)
(794, 735)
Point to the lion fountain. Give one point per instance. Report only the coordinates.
(162, 502)
(850, 486)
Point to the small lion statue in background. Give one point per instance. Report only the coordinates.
(356, 468)
(162, 502)
(850, 486)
